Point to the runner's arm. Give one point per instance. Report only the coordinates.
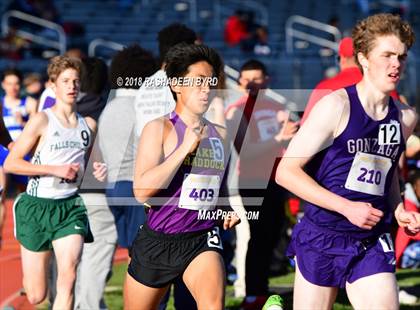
(15, 162)
(328, 118)
(316, 134)
(408, 219)
(31, 134)
(152, 173)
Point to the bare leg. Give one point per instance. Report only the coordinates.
(140, 297)
(67, 252)
(379, 291)
(310, 296)
(35, 266)
(205, 278)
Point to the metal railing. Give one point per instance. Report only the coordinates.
(193, 10)
(60, 44)
(101, 42)
(292, 33)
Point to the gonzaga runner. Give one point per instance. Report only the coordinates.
(343, 163)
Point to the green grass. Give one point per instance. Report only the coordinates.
(408, 279)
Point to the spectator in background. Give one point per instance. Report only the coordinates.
(407, 245)
(96, 261)
(411, 203)
(412, 151)
(236, 29)
(33, 85)
(12, 46)
(16, 109)
(93, 95)
(118, 142)
(75, 53)
(261, 46)
(4, 141)
(156, 101)
(349, 74)
(263, 132)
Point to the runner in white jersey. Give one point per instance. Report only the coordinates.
(61, 145)
(50, 215)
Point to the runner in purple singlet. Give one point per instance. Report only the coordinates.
(181, 162)
(343, 162)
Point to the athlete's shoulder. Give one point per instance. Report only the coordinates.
(155, 127)
(408, 113)
(329, 116)
(337, 101)
(222, 131)
(39, 117)
(91, 123)
(408, 118)
(38, 122)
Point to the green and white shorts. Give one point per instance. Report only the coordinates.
(39, 221)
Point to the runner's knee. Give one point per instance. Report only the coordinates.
(35, 296)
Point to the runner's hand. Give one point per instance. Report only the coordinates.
(231, 220)
(100, 171)
(362, 214)
(192, 137)
(288, 129)
(410, 220)
(68, 172)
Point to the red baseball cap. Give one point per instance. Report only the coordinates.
(345, 48)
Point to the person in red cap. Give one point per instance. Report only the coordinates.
(349, 74)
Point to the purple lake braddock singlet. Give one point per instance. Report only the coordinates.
(359, 166)
(194, 187)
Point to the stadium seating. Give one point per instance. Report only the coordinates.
(141, 22)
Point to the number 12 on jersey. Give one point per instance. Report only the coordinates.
(389, 134)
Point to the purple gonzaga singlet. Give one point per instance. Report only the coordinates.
(194, 189)
(359, 166)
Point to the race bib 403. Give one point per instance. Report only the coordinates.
(199, 192)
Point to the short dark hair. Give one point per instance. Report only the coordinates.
(413, 176)
(183, 55)
(12, 71)
(172, 35)
(253, 65)
(94, 75)
(131, 62)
